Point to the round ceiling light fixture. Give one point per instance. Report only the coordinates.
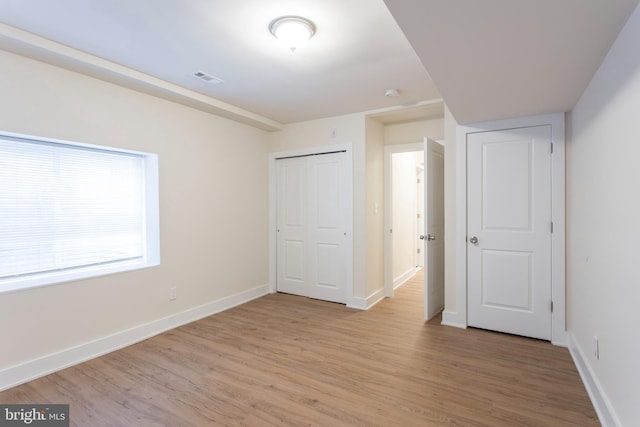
(392, 93)
(292, 30)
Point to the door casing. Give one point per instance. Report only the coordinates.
(455, 313)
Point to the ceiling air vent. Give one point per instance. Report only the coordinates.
(208, 78)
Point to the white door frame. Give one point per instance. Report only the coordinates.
(389, 151)
(458, 317)
(273, 190)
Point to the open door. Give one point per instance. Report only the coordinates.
(434, 228)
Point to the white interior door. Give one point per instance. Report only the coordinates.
(509, 230)
(312, 220)
(420, 214)
(292, 223)
(327, 219)
(434, 226)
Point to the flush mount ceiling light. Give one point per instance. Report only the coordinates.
(392, 93)
(292, 30)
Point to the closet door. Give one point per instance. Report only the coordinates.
(292, 226)
(312, 217)
(327, 232)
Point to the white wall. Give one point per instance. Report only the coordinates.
(603, 219)
(213, 207)
(404, 209)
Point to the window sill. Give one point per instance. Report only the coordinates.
(12, 284)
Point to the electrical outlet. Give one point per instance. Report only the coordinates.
(172, 293)
(596, 348)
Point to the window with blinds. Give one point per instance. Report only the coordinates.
(70, 211)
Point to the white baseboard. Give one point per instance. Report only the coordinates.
(368, 302)
(375, 298)
(403, 278)
(561, 339)
(601, 403)
(28, 371)
(451, 318)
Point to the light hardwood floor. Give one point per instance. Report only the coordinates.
(284, 360)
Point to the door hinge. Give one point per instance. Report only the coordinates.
(418, 216)
(552, 148)
(391, 231)
(418, 250)
(552, 306)
(552, 227)
(418, 181)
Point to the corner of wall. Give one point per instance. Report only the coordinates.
(374, 206)
(599, 399)
(450, 125)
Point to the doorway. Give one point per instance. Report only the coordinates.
(414, 219)
(407, 249)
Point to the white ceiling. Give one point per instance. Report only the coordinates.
(357, 53)
(495, 59)
(490, 59)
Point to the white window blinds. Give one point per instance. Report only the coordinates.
(64, 206)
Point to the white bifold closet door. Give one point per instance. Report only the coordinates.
(312, 217)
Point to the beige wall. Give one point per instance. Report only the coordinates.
(405, 133)
(450, 212)
(375, 206)
(213, 207)
(347, 129)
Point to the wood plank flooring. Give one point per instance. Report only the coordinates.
(284, 360)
